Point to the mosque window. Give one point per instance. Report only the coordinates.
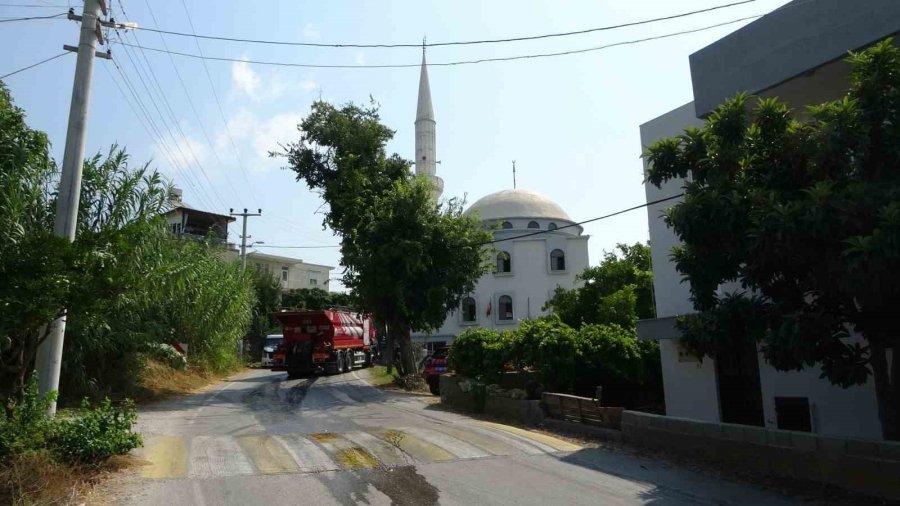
(468, 309)
(533, 224)
(506, 225)
(504, 262)
(557, 260)
(551, 226)
(506, 308)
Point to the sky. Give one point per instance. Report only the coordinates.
(570, 122)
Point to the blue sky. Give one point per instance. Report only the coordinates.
(570, 122)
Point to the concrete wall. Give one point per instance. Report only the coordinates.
(790, 41)
(834, 411)
(689, 385)
(867, 467)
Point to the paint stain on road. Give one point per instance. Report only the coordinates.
(404, 486)
(355, 458)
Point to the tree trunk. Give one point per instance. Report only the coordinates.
(388, 358)
(407, 358)
(887, 384)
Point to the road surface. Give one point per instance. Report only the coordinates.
(262, 439)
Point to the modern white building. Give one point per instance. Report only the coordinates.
(293, 273)
(537, 246)
(795, 53)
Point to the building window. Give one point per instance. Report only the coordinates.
(506, 225)
(793, 413)
(468, 309)
(506, 308)
(504, 262)
(313, 282)
(284, 274)
(551, 226)
(533, 224)
(557, 260)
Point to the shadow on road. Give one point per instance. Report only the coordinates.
(403, 485)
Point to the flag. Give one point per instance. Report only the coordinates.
(489, 309)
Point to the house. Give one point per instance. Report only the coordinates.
(187, 222)
(293, 273)
(796, 54)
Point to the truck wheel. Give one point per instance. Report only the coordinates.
(342, 363)
(434, 386)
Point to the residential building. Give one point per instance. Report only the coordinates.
(795, 53)
(187, 222)
(293, 273)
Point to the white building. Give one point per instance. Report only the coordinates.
(795, 53)
(293, 273)
(527, 266)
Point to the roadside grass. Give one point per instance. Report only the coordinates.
(159, 381)
(380, 377)
(35, 477)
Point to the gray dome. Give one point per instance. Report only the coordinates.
(507, 204)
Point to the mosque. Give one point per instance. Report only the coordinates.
(538, 247)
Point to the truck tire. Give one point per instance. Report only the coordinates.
(342, 362)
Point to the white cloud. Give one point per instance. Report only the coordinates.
(255, 137)
(245, 78)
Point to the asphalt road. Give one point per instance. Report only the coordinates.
(261, 439)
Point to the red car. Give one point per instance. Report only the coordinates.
(435, 367)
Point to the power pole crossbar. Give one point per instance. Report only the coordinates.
(244, 235)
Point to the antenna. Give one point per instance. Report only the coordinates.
(514, 174)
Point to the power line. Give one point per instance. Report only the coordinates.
(456, 63)
(209, 142)
(237, 154)
(530, 234)
(23, 69)
(33, 6)
(455, 43)
(10, 20)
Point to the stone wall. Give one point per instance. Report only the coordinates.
(456, 392)
(869, 467)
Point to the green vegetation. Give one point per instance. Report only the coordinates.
(316, 298)
(409, 260)
(807, 219)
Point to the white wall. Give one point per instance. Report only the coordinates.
(531, 282)
(690, 387)
(834, 411)
(671, 295)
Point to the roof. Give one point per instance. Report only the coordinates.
(179, 205)
(424, 110)
(286, 260)
(517, 204)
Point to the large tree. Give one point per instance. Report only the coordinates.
(804, 213)
(409, 259)
(619, 290)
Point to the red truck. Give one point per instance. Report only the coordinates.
(332, 341)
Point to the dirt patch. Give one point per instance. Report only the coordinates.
(35, 478)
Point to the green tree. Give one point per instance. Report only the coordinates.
(618, 291)
(316, 298)
(807, 219)
(409, 260)
(268, 299)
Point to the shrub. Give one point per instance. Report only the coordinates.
(97, 433)
(611, 348)
(480, 354)
(167, 354)
(549, 346)
(25, 426)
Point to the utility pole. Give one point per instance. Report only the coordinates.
(49, 353)
(244, 235)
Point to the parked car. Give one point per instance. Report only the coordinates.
(435, 367)
(269, 347)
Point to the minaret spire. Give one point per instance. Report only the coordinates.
(426, 149)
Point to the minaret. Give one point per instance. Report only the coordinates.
(426, 152)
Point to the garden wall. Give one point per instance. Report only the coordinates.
(869, 467)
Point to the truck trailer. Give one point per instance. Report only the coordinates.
(330, 341)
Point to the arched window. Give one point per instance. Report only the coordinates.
(504, 262)
(551, 226)
(557, 260)
(506, 225)
(533, 224)
(505, 307)
(468, 309)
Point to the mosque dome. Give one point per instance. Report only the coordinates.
(507, 204)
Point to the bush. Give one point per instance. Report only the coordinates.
(167, 354)
(549, 346)
(97, 433)
(480, 354)
(91, 435)
(612, 348)
(25, 426)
